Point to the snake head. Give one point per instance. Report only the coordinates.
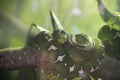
(88, 52)
(59, 33)
(82, 42)
(79, 46)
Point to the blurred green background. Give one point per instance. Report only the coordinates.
(77, 16)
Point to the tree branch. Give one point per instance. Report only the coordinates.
(19, 59)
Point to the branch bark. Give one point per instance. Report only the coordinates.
(19, 59)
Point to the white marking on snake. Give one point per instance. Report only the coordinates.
(39, 48)
(72, 68)
(42, 71)
(65, 64)
(99, 61)
(81, 71)
(99, 79)
(52, 47)
(92, 69)
(97, 67)
(60, 58)
(58, 75)
(46, 37)
(50, 40)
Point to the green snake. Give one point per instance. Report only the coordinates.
(66, 56)
(70, 57)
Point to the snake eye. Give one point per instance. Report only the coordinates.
(82, 41)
